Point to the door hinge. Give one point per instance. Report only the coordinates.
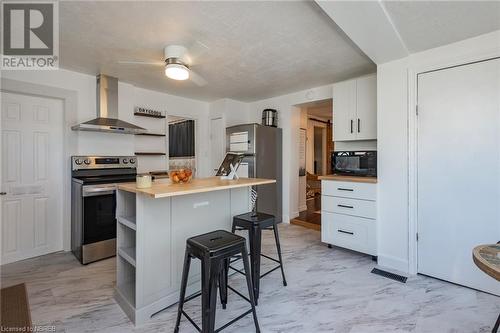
(417, 236)
(416, 110)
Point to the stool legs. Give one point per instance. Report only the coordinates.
(497, 324)
(210, 275)
(255, 252)
(223, 281)
(185, 274)
(253, 302)
(278, 248)
(214, 250)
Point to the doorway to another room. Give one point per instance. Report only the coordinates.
(316, 147)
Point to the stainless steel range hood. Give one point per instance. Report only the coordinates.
(107, 110)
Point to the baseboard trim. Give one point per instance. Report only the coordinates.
(393, 263)
(302, 208)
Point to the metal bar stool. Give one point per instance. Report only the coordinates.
(214, 249)
(254, 223)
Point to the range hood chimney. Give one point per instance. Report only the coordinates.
(107, 110)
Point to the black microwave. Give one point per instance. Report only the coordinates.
(355, 163)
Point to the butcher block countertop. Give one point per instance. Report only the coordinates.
(196, 185)
(355, 179)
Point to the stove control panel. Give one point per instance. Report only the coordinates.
(103, 162)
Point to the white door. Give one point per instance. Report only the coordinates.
(217, 143)
(458, 171)
(32, 177)
(344, 110)
(366, 108)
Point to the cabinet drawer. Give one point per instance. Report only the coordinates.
(355, 233)
(363, 208)
(353, 190)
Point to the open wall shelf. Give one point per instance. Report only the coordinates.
(151, 146)
(138, 153)
(151, 134)
(139, 114)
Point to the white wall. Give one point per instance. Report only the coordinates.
(233, 112)
(392, 129)
(289, 120)
(176, 106)
(128, 97)
(396, 93)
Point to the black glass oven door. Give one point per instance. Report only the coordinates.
(99, 222)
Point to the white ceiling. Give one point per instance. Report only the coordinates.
(389, 30)
(427, 24)
(256, 49)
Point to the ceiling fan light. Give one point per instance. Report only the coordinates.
(177, 72)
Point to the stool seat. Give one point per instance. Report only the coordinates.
(215, 241)
(251, 219)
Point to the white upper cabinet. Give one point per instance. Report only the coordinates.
(366, 122)
(355, 109)
(344, 106)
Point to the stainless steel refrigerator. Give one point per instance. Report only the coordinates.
(262, 147)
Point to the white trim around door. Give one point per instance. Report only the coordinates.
(69, 99)
(445, 60)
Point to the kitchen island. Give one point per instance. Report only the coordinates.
(152, 228)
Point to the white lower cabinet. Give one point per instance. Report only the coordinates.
(349, 222)
(351, 232)
(348, 206)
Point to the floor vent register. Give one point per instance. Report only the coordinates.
(389, 275)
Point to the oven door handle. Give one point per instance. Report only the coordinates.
(94, 191)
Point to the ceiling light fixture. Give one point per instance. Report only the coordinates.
(176, 69)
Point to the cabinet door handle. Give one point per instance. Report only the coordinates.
(345, 206)
(352, 121)
(345, 189)
(359, 125)
(345, 232)
(3, 193)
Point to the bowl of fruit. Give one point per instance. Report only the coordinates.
(180, 176)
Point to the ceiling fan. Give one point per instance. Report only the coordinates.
(178, 63)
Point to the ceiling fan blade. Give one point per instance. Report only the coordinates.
(198, 48)
(197, 78)
(194, 53)
(155, 63)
